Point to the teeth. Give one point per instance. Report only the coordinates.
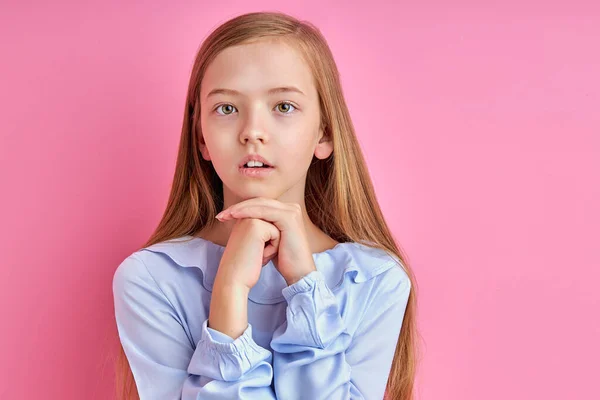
(254, 164)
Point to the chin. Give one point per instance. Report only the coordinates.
(249, 192)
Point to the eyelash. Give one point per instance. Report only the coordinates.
(283, 102)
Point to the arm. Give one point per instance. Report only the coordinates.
(314, 347)
(165, 362)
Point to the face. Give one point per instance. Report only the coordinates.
(283, 126)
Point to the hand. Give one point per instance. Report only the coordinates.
(294, 257)
(239, 270)
(246, 253)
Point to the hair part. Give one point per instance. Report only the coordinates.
(340, 181)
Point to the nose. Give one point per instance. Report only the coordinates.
(253, 129)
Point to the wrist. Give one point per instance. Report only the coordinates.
(229, 309)
(224, 283)
(290, 280)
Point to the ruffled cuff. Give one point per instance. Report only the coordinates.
(313, 315)
(226, 361)
(219, 336)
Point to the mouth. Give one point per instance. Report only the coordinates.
(256, 171)
(256, 166)
(254, 161)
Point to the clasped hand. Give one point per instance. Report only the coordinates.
(293, 257)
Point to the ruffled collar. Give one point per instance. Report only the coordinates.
(354, 260)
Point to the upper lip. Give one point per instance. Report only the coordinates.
(254, 157)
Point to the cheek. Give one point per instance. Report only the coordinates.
(296, 151)
(216, 139)
(299, 137)
(219, 150)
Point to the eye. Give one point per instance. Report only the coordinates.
(288, 105)
(287, 108)
(229, 106)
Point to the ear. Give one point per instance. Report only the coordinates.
(325, 145)
(202, 146)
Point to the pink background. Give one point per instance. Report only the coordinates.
(480, 125)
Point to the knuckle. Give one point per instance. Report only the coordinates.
(252, 222)
(297, 208)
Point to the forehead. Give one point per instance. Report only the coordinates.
(253, 68)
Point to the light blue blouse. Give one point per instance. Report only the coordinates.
(331, 335)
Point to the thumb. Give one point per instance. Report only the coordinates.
(272, 245)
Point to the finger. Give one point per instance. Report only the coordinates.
(281, 218)
(269, 253)
(258, 207)
(272, 248)
(257, 201)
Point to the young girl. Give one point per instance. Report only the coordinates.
(296, 289)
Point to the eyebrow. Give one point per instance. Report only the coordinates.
(282, 89)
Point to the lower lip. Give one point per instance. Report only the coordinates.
(256, 172)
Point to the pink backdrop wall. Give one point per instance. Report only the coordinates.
(480, 125)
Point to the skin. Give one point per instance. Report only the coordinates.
(282, 127)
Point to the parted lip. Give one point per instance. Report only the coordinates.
(254, 157)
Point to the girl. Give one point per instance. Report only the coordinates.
(296, 289)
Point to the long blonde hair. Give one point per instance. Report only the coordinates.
(341, 182)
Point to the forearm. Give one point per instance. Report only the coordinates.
(229, 309)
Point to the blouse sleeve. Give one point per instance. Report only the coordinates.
(314, 347)
(165, 362)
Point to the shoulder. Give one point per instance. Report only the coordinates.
(131, 270)
(169, 262)
(178, 272)
(353, 263)
(365, 279)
